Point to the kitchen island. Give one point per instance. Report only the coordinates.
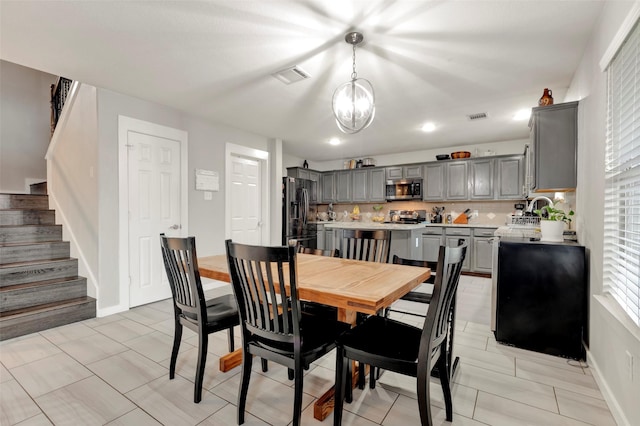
(421, 240)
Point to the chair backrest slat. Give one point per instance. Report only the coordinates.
(181, 263)
(260, 277)
(372, 246)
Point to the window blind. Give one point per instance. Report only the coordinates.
(622, 173)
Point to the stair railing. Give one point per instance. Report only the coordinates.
(59, 93)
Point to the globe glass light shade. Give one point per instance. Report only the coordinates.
(354, 105)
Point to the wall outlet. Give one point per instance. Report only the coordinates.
(628, 364)
(474, 213)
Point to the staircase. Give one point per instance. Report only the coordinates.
(39, 283)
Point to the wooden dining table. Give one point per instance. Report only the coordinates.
(352, 286)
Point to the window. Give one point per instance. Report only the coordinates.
(622, 174)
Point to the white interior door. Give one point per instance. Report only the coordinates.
(246, 200)
(154, 187)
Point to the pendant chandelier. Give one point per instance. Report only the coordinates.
(354, 101)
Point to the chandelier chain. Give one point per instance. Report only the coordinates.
(354, 74)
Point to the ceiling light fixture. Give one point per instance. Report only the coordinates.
(354, 101)
(523, 114)
(334, 141)
(428, 127)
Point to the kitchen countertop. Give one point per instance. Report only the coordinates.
(396, 226)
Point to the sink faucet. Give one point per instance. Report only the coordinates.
(530, 206)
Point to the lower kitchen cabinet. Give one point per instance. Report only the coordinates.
(452, 239)
(481, 260)
(431, 242)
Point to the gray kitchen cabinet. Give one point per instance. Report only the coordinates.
(343, 186)
(456, 180)
(431, 242)
(482, 255)
(321, 242)
(360, 185)
(482, 252)
(481, 179)
(377, 185)
(328, 187)
(313, 175)
(509, 178)
(553, 145)
(367, 185)
(298, 172)
(404, 172)
(452, 239)
(434, 182)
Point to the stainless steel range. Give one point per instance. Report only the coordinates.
(407, 216)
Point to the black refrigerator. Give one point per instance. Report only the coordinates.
(542, 296)
(299, 212)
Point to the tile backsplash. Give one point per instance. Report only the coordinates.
(489, 213)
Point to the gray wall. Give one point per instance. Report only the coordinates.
(611, 334)
(206, 151)
(24, 126)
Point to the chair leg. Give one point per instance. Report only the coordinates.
(444, 381)
(361, 374)
(203, 343)
(297, 392)
(177, 338)
(372, 377)
(232, 343)
(290, 374)
(247, 361)
(424, 398)
(265, 365)
(348, 394)
(342, 378)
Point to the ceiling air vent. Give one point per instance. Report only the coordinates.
(291, 75)
(477, 116)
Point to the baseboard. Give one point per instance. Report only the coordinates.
(105, 312)
(612, 402)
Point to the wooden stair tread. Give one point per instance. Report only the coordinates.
(36, 262)
(27, 243)
(35, 284)
(45, 307)
(34, 225)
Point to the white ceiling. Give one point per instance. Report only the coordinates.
(427, 60)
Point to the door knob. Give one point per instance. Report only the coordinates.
(175, 226)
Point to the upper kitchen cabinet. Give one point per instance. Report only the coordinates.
(343, 186)
(367, 185)
(313, 175)
(404, 172)
(328, 187)
(457, 182)
(509, 177)
(434, 182)
(481, 179)
(302, 173)
(553, 155)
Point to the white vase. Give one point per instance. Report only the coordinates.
(552, 230)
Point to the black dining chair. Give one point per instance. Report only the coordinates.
(190, 308)
(371, 246)
(392, 345)
(275, 330)
(314, 308)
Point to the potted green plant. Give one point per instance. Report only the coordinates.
(552, 222)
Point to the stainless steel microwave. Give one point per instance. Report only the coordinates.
(404, 189)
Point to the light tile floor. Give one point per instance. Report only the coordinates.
(114, 371)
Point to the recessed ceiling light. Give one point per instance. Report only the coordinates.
(334, 141)
(428, 127)
(523, 114)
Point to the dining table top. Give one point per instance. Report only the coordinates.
(351, 285)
